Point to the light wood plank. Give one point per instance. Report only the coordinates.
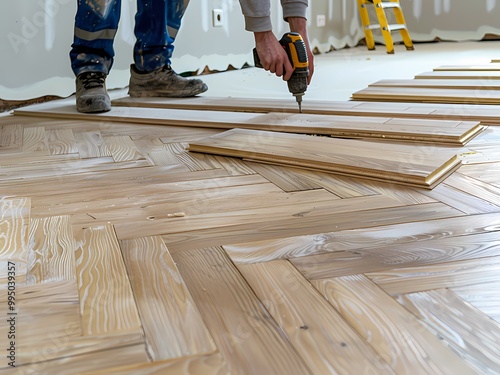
(194, 162)
(330, 217)
(443, 275)
(428, 95)
(106, 300)
(484, 296)
(486, 114)
(229, 212)
(462, 67)
(61, 141)
(354, 241)
(34, 140)
(14, 227)
(476, 188)
(470, 334)
(341, 186)
(172, 323)
(460, 74)
(317, 331)
(71, 165)
(455, 196)
(212, 364)
(244, 332)
(122, 148)
(76, 365)
(91, 145)
(452, 84)
(285, 178)
(404, 164)
(395, 334)
(11, 136)
(411, 255)
(52, 248)
(424, 130)
(114, 182)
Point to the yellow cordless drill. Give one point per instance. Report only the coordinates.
(295, 48)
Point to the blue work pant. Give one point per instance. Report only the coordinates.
(96, 23)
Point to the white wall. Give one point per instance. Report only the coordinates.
(37, 35)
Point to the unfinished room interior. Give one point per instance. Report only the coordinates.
(231, 233)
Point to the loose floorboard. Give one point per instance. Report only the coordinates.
(460, 74)
(404, 164)
(129, 254)
(92, 144)
(452, 84)
(486, 114)
(428, 95)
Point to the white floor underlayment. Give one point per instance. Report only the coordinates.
(338, 74)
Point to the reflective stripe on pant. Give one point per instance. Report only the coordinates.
(96, 22)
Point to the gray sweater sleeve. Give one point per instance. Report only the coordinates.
(258, 12)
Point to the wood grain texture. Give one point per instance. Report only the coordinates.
(34, 139)
(76, 365)
(171, 321)
(461, 273)
(423, 130)
(318, 220)
(14, 227)
(473, 336)
(452, 84)
(122, 148)
(486, 114)
(243, 330)
(106, 299)
(405, 164)
(11, 136)
(91, 145)
(411, 255)
(356, 240)
(395, 334)
(316, 330)
(428, 95)
(52, 249)
(212, 364)
(483, 296)
(61, 141)
(460, 74)
(63, 166)
(463, 67)
(288, 180)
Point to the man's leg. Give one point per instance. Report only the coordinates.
(92, 52)
(156, 25)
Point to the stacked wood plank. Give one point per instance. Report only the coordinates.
(476, 88)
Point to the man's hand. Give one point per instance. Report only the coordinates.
(299, 25)
(272, 55)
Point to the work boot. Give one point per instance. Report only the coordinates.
(91, 94)
(163, 82)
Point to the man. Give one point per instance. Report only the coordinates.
(156, 25)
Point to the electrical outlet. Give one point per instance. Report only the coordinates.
(217, 17)
(320, 20)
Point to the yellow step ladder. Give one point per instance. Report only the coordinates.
(383, 24)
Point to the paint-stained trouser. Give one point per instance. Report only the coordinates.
(96, 22)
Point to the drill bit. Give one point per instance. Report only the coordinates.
(298, 97)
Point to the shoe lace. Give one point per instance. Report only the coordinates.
(92, 79)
